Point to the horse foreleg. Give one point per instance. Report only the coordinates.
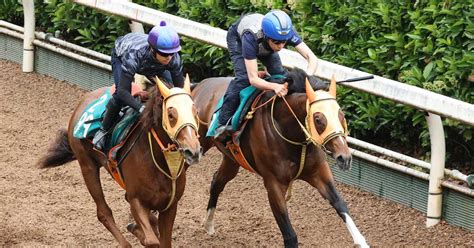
(226, 172)
(324, 182)
(143, 230)
(165, 225)
(276, 196)
(90, 172)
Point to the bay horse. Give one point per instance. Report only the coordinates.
(147, 171)
(286, 139)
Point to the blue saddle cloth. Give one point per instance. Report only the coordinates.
(245, 95)
(90, 121)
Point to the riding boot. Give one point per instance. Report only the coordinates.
(221, 129)
(110, 116)
(230, 105)
(225, 120)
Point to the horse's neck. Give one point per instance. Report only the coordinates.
(289, 123)
(161, 135)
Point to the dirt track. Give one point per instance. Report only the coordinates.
(53, 207)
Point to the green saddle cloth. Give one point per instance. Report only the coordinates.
(91, 118)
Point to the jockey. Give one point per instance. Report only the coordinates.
(252, 37)
(155, 54)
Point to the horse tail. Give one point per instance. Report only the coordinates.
(58, 153)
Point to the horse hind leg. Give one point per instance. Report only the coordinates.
(91, 173)
(323, 181)
(226, 172)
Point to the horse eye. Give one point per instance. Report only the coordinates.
(172, 116)
(320, 122)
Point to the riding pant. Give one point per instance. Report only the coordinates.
(272, 62)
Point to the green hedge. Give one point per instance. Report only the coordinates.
(428, 44)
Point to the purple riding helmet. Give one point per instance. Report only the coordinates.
(164, 38)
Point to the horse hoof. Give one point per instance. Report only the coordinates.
(126, 245)
(131, 227)
(209, 229)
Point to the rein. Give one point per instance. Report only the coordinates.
(304, 144)
(303, 128)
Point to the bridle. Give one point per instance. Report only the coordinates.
(181, 100)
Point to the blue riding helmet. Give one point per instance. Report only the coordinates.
(277, 25)
(164, 38)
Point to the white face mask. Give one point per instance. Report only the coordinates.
(179, 106)
(323, 103)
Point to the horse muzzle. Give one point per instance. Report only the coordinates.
(192, 156)
(188, 143)
(343, 161)
(337, 148)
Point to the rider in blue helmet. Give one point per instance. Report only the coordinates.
(155, 54)
(259, 37)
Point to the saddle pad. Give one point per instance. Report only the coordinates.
(90, 120)
(244, 96)
(123, 127)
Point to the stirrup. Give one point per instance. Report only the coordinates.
(221, 130)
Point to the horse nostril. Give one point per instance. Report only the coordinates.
(344, 162)
(187, 153)
(340, 159)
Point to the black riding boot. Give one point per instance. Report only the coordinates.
(110, 115)
(224, 122)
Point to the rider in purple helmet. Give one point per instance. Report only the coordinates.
(155, 54)
(257, 36)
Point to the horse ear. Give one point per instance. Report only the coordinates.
(187, 84)
(332, 87)
(310, 92)
(165, 92)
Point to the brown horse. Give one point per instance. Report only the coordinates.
(154, 178)
(283, 142)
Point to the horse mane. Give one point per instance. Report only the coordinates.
(151, 116)
(297, 83)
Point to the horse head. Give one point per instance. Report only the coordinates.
(180, 120)
(327, 124)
